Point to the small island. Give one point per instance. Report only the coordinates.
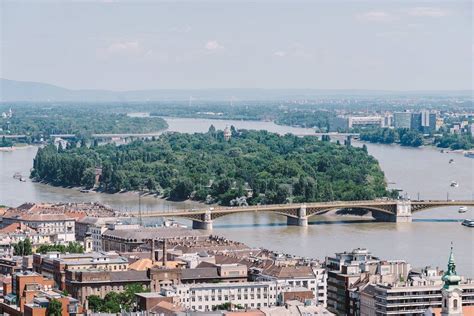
(231, 167)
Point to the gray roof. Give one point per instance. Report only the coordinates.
(130, 275)
(142, 234)
(199, 273)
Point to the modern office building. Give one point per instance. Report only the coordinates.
(402, 119)
(428, 121)
(349, 271)
(365, 121)
(415, 122)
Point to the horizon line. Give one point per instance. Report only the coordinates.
(247, 88)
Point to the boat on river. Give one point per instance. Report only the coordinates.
(462, 209)
(468, 222)
(469, 154)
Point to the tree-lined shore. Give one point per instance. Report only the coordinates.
(252, 167)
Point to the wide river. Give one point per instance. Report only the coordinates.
(420, 172)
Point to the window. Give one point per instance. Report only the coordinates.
(455, 304)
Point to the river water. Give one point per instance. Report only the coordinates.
(423, 172)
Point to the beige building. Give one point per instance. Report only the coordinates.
(54, 265)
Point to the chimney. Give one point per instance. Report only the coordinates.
(152, 251)
(164, 253)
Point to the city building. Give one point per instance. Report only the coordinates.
(54, 265)
(230, 273)
(365, 121)
(349, 271)
(129, 238)
(204, 297)
(39, 305)
(85, 282)
(96, 226)
(415, 122)
(428, 121)
(402, 119)
(310, 278)
(21, 290)
(429, 290)
(59, 226)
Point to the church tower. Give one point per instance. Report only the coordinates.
(451, 292)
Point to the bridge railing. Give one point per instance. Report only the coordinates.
(278, 206)
(342, 204)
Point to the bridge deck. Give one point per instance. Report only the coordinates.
(284, 207)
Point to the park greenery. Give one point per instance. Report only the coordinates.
(6, 142)
(412, 138)
(403, 136)
(115, 302)
(254, 167)
(455, 141)
(227, 306)
(25, 248)
(40, 122)
(71, 247)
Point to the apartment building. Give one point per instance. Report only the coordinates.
(311, 278)
(54, 264)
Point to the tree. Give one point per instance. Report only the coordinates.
(54, 308)
(128, 295)
(94, 302)
(182, 189)
(88, 178)
(212, 130)
(23, 248)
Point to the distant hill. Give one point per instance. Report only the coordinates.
(11, 91)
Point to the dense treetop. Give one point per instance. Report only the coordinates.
(253, 167)
(412, 138)
(41, 122)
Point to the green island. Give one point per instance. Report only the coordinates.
(252, 167)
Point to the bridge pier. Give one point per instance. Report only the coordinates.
(205, 221)
(403, 214)
(301, 220)
(202, 225)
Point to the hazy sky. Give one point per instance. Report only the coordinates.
(123, 45)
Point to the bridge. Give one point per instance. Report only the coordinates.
(298, 214)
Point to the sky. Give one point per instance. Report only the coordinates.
(134, 45)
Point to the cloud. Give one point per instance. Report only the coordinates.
(375, 16)
(279, 53)
(181, 29)
(213, 45)
(427, 12)
(125, 48)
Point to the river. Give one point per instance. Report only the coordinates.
(423, 172)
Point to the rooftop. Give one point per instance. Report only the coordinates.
(140, 235)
